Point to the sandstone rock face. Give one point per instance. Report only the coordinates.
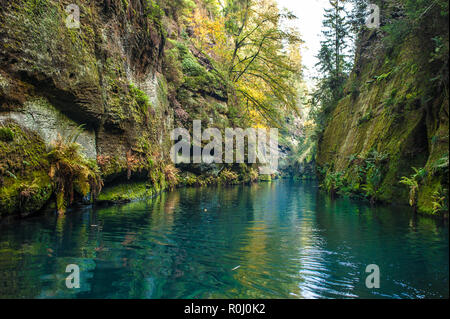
(111, 77)
(104, 77)
(74, 77)
(47, 121)
(394, 117)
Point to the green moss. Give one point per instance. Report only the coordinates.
(425, 197)
(391, 100)
(265, 178)
(25, 195)
(391, 115)
(33, 197)
(128, 192)
(111, 166)
(366, 118)
(24, 183)
(35, 7)
(383, 76)
(196, 76)
(6, 134)
(141, 99)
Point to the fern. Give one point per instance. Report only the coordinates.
(413, 183)
(71, 172)
(440, 200)
(171, 175)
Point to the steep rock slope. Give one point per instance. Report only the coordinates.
(122, 76)
(394, 116)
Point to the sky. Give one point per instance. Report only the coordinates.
(309, 23)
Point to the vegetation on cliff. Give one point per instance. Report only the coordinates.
(131, 72)
(134, 70)
(394, 104)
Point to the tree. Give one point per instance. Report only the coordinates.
(358, 15)
(334, 59)
(248, 46)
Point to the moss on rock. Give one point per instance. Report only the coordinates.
(25, 186)
(397, 111)
(126, 192)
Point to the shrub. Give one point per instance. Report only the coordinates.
(227, 176)
(333, 182)
(413, 183)
(440, 200)
(253, 175)
(171, 174)
(373, 171)
(70, 171)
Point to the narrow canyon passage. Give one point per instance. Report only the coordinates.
(269, 240)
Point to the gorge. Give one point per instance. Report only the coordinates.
(87, 112)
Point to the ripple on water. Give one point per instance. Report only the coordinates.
(272, 240)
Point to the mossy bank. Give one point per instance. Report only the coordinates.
(117, 85)
(393, 118)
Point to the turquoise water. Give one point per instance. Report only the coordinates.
(271, 240)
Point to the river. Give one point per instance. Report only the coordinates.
(268, 240)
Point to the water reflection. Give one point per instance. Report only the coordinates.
(269, 240)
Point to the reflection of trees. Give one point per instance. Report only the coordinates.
(36, 255)
(387, 236)
(13, 259)
(164, 247)
(287, 241)
(201, 237)
(270, 259)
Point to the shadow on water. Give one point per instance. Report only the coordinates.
(268, 240)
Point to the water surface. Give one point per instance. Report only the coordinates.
(270, 240)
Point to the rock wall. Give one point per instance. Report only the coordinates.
(47, 121)
(394, 117)
(111, 77)
(119, 83)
